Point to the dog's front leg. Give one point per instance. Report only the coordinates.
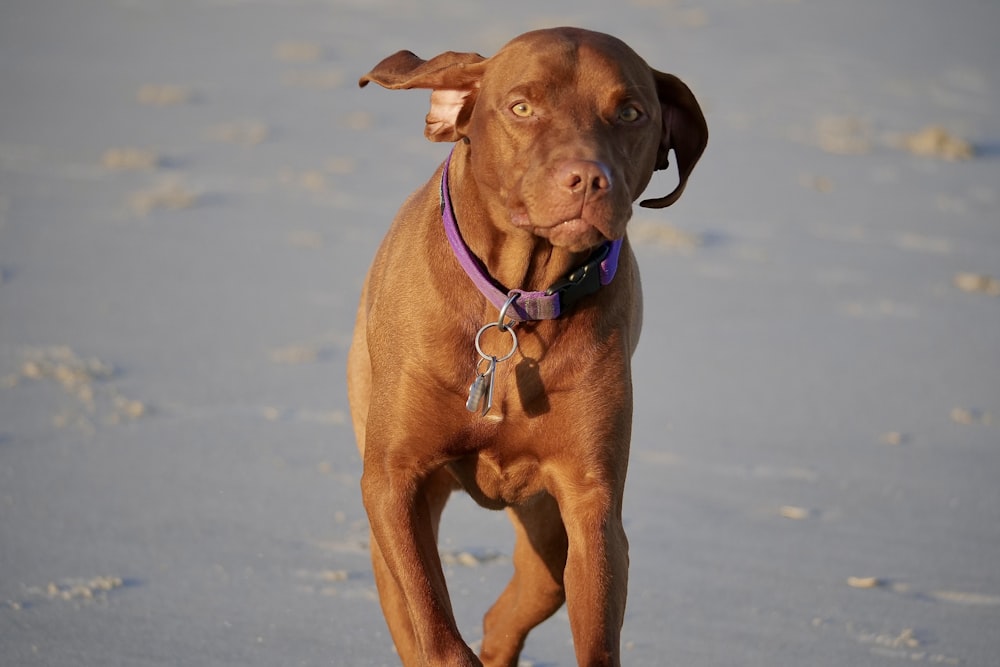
(596, 575)
(403, 511)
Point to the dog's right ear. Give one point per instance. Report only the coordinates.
(453, 77)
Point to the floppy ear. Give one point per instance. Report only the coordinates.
(453, 77)
(684, 130)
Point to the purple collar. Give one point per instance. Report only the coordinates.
(547, 305)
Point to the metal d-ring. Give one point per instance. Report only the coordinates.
(503, 312)
(513, 336)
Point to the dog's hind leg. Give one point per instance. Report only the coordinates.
(536, 590)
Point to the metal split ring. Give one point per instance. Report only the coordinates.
(510, 330)
(503, 312)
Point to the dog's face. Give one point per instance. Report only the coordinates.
(579, 121)
(566, 127)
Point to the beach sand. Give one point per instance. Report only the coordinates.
(191, 192)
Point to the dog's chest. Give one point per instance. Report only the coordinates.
(496, 481)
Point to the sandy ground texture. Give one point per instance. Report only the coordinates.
(190, 193)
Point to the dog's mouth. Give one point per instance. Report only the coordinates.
(576, 234)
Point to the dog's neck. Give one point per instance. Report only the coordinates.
(520, 303)
(513, 257)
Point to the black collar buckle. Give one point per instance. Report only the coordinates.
(582, 281)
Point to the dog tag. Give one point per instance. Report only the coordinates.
(482, 387)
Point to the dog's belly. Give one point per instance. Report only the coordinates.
(495, 483)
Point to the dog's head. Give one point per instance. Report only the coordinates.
(566, 127)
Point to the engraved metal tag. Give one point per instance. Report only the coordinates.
(477, 390)
(482, 387)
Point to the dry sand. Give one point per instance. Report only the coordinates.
(190, 193)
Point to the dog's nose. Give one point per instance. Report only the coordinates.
(584, 177)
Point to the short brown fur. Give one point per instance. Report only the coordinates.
(557, 135)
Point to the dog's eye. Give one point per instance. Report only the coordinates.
(629, 114)
(523, 110)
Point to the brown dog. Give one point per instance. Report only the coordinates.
(513, 275)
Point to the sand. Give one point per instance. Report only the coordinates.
(190, 193)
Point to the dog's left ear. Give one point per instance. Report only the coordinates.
(453, 78)
(684, 130)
